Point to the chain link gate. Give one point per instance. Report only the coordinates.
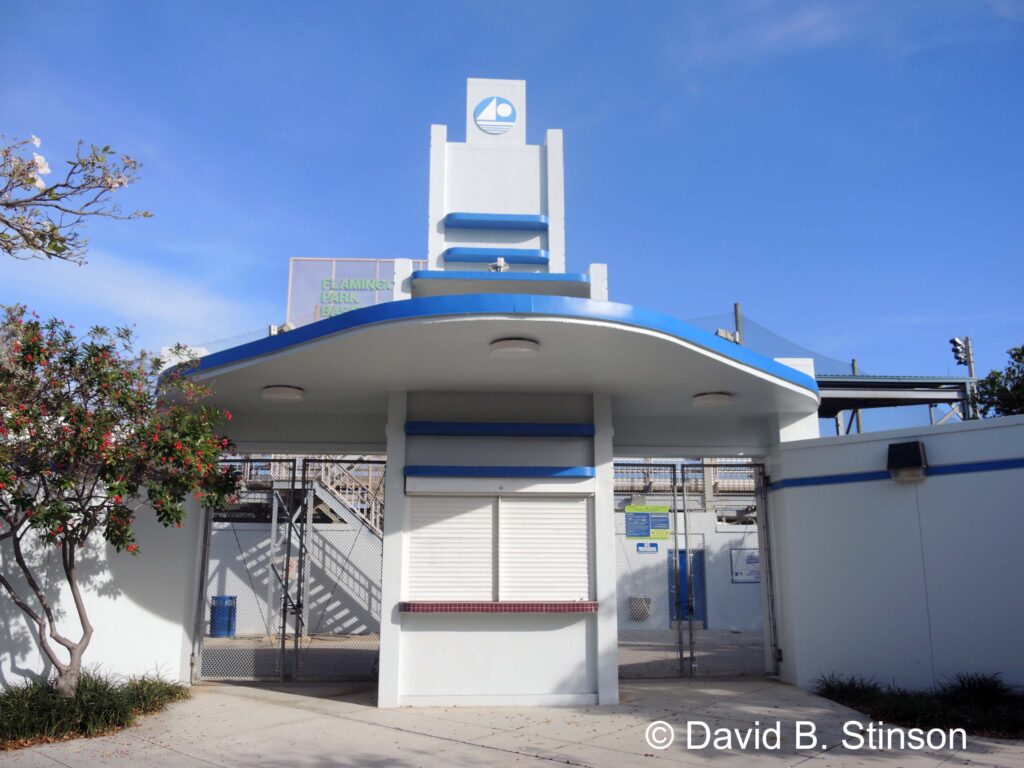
(292, 573)
(691, 586)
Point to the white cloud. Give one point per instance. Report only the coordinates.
(1008, 9)
(758, 29)
(165, 306)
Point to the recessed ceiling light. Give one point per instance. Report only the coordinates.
(283, 392)
(514, 349)
(712, 399)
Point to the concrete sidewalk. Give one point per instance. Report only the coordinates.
(330, 725)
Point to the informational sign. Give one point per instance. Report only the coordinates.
(322, 288)
(638, 525)
(746, 566)
(647, 547)
(647, 522)
(660, 526)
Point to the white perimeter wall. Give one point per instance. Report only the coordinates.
(142, 608)
(904, 583)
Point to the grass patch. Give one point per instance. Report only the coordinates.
(31, 713)
(983, 705)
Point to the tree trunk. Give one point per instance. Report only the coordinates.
(66, 684)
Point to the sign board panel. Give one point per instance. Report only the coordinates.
(746, 566)
(322, 288)
(647, 522)
(647, 547)
(638, 525)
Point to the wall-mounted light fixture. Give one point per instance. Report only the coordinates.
(907, 462)
(514, 348)
(283, 392)
(712, 399)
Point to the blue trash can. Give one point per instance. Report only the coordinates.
(223, 610)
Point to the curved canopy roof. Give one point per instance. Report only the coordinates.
(650, 363)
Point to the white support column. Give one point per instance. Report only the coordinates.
(436, 205)
(556, 200)
(403, 280)
(392, 569)
(604, 555)
(800, 428)
(599, 282)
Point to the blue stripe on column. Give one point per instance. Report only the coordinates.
(532, 256)
(533, 222)
(425, 470)
(544, 277)
(496, 429)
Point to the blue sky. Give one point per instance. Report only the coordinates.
(852, 172)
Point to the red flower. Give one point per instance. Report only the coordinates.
(227, 415)
(133, 548)
(117, 499)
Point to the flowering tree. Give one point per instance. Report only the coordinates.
(91, 437)
(41, 216)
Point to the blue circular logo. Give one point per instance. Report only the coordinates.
(495, 115)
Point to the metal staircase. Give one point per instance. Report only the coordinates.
(357, 482)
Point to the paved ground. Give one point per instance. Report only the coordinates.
(642, 654)
(655, 653)
(331, 725)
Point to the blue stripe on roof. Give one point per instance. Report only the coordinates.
(994, 465)
(425, 470)
(496, 429)
(488, 255)
(533, 222)
(527, 305)
(440, 274)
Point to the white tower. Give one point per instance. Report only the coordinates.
(495, 196)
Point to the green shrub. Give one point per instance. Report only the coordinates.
(982, 704)
(31, 712)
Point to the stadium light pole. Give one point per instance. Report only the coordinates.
(963, 353)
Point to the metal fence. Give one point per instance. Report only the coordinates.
(691, 586)
(292, 573)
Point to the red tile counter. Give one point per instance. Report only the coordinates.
(491, 607)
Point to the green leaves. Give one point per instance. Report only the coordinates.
(87, 440)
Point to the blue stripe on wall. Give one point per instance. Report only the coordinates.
(863, 477)
(976, 466)
(424, 470)
(496, 429)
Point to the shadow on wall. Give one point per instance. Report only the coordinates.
(20, 653)
(159, 581)
(344, 571)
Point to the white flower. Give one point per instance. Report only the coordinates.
(40, 184)
(36, 140)
(42, 168)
